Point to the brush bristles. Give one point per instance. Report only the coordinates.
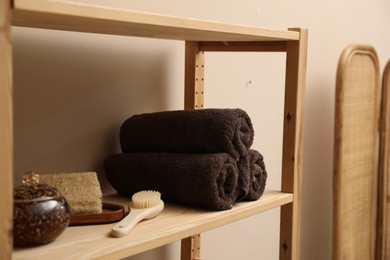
(145, 199)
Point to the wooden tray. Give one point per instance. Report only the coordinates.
(111, 213)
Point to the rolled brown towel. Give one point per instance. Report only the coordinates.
(251, 167)
(206, 181)
(189, 131)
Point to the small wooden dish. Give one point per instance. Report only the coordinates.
(111, 213)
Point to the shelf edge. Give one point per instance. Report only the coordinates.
(71, 16)
(175, 223)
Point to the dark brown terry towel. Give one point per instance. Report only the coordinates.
(251, 168)
(206, 181)
(189, 131)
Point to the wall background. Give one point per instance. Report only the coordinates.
(72, 92)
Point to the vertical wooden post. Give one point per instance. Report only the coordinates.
(193, 99)
(190, 248)
(194, 76)
(6, 131)
(292, 145)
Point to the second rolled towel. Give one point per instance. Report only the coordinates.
(207, 181)
(189, 131)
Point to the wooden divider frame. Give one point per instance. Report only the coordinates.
(296, 56)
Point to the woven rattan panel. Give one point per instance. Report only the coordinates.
(384, 227)
(355, 154)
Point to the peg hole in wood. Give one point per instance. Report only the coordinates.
(289, 117)
(285, 247)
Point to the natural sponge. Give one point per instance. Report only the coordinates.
(81, 190)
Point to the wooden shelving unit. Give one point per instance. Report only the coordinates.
(200, 37)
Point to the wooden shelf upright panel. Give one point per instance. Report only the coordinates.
(193, 99)
(293, 145)
(6, 131)
(194, 76)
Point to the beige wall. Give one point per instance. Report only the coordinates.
(72, 92)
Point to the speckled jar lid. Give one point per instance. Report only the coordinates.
(31, 190)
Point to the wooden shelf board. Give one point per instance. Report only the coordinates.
(174, 223)
(71, 16)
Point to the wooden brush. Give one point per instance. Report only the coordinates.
(144, 205)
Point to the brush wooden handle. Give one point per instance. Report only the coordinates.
(123, 227)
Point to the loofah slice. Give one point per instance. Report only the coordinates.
(81, 190)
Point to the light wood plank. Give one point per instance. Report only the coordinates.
(293, 145)
(6, 133)
(356, 154)
(174, 223)
(63, 15)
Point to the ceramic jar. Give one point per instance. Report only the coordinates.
(41, 213)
